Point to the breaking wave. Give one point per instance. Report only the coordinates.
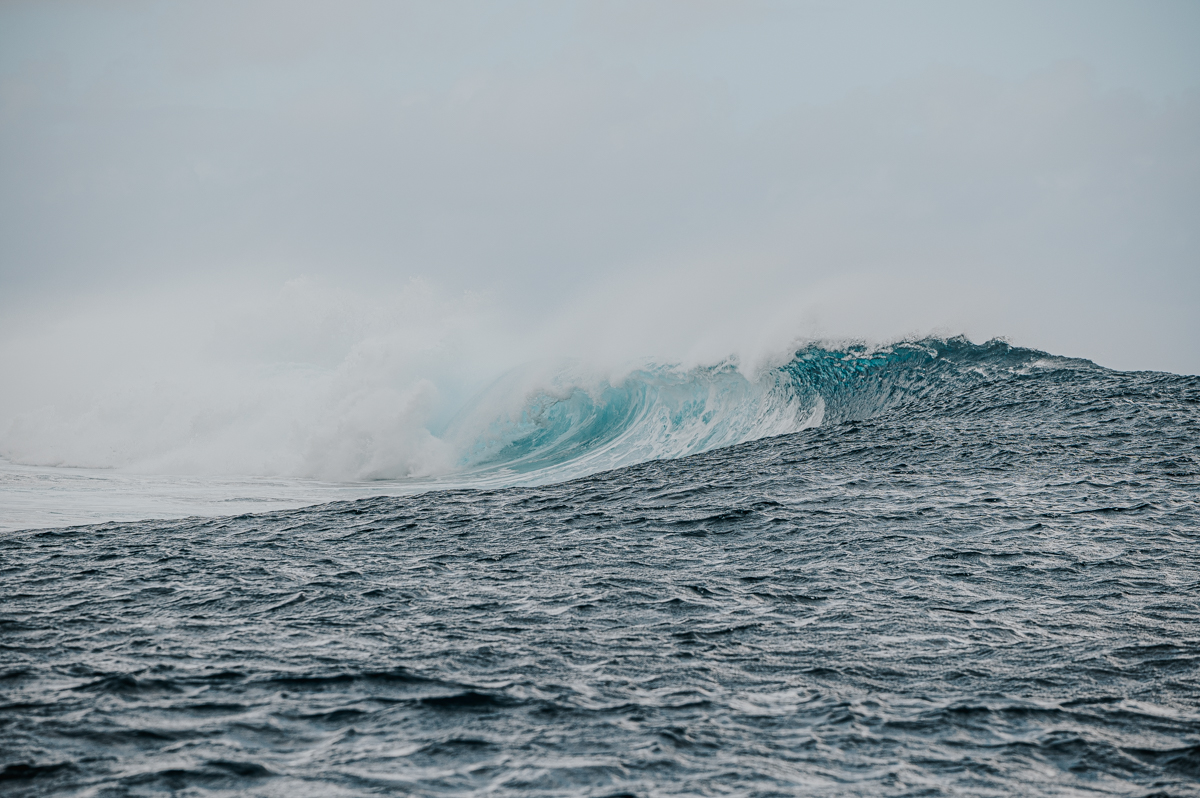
(392, 411)
(533, 428)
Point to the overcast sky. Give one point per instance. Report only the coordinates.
(672, 179)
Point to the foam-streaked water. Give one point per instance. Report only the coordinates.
(980, 575)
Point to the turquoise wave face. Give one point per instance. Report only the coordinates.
(574, 426)
(568, 425)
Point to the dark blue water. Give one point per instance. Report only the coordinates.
(979, 576)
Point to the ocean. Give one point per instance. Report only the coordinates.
(933, 568)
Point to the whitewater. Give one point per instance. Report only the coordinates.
(931, 567)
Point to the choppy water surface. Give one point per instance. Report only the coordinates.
(977, 577)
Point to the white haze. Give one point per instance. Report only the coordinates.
(294, 239)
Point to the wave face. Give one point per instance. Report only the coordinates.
(574, 426)
(976, 576)
(568, 425)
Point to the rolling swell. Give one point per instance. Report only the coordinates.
(977, 576)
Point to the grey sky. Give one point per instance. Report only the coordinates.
(519, 146)
(673, 179)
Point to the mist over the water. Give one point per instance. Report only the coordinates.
(301, 239)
